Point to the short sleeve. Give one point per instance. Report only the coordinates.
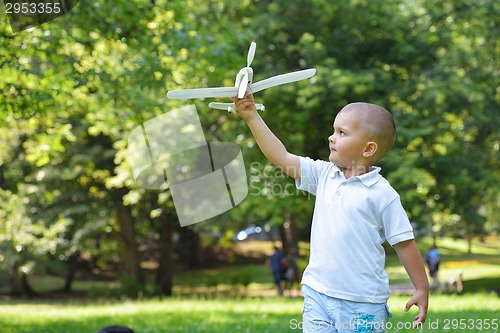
(397, 226)
(310, 172)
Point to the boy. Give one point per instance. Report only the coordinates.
(345, 286)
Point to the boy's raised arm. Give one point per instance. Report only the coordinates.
(412, 261)
(269, 144)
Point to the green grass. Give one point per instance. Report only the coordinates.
(172, 315)
(483, 263)
(449, 313)
(210, 301)
(226, 315)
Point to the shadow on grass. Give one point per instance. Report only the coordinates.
(489, 285)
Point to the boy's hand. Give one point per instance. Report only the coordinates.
(245, 107)
(269, 144)
(421, 299)
(412, 261)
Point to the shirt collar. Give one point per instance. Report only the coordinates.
(368, 179)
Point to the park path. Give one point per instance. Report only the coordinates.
(402, 289)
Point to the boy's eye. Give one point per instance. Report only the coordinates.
(339, 132)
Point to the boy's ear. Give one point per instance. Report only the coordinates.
(370, 149)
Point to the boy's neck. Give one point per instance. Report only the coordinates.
(354, 171)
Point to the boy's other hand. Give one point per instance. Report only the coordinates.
(245, 107)
(421, 299)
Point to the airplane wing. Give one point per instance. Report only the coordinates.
(221, 106)
(282, 79)
(233, 91)
(203, 93)
(229, 106)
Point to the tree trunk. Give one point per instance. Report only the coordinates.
(16, 288)
(468, 238)
(288, 234)
(19, 285)
(70, 275)
(164, 273)
(75, 264)
(130, 255)
(189, 248)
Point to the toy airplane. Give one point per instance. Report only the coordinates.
(242, 84)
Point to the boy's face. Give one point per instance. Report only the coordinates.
(348, 142)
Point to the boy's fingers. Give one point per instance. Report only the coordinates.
(243, 104)
(420, 318)
(422, 314)
(408, 305)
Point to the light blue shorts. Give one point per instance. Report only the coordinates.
(325, 314)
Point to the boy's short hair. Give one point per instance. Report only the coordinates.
(377, 124)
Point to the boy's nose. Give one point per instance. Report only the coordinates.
(330, 138)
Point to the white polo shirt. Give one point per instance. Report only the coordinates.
(352, 218)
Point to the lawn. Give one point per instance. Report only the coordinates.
(273, 315)
(482, 265)
(214, 300)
